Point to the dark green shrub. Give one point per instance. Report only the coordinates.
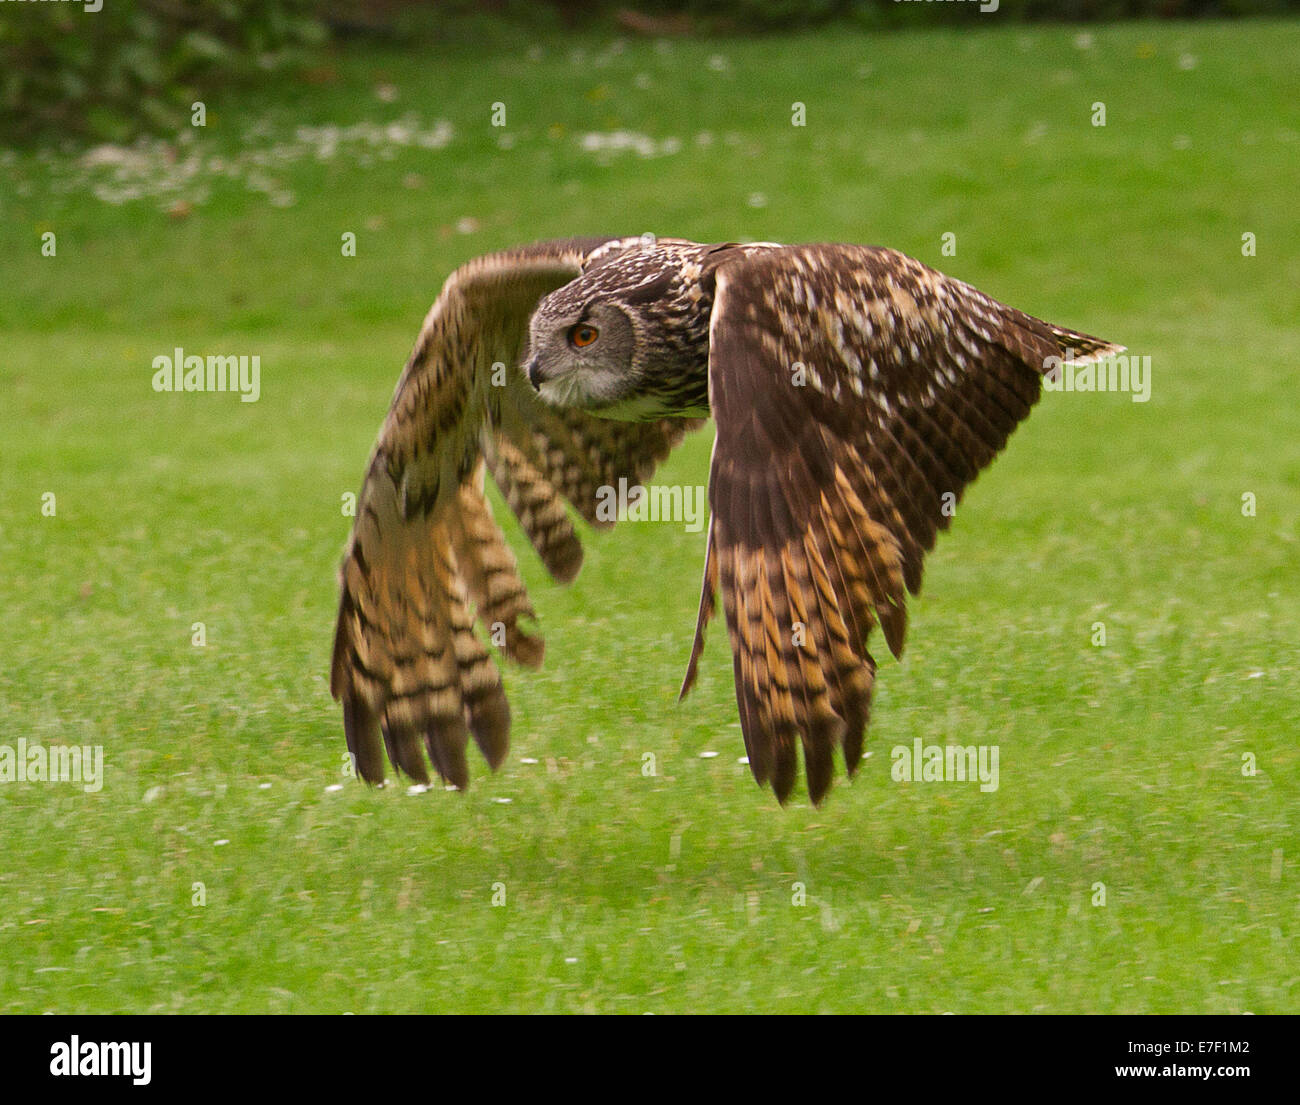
(129, 67)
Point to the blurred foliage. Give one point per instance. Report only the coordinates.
(677, 17)
(117, 70)
(125, 68)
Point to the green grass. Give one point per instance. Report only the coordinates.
(1120, 765)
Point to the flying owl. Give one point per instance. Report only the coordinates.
(855, 391)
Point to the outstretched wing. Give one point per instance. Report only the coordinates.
(856, 393)
(426, 556)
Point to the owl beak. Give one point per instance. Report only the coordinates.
(533, 369)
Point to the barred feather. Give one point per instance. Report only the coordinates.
(426, 559)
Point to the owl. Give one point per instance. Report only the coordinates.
(855, 391)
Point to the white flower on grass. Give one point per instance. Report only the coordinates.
(105, 155)
(181, 170)
(439, 136)
(623, 141)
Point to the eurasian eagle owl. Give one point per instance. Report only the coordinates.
(856, 392)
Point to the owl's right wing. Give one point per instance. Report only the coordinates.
(426, 556)
(856, 393)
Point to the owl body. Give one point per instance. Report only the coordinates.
(856, 394)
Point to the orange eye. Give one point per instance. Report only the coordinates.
(582, 335)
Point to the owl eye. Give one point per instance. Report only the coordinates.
(582, 335)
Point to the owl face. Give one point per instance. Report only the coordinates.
(628, 339)
(583, 354)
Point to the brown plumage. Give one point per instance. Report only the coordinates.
(856, 394)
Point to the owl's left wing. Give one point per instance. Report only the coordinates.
(856, 393)
(426, 559)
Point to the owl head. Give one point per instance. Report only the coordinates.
(612, 340)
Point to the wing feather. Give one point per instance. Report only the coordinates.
(426, 559)
(829, 484)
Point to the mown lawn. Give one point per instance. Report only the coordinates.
(220, 869)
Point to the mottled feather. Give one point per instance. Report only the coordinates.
(856, 393)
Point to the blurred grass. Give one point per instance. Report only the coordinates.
(1120, 765)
